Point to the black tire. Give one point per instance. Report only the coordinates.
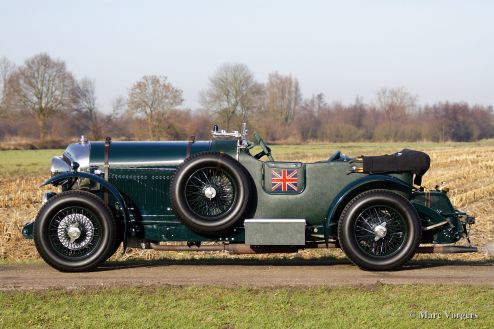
(228, 198)
(93, 241)
(118, 238)
(363, 239)
(114, 248)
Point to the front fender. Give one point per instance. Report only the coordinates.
(358, 186)
(123, 209)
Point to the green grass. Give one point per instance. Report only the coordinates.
(377, 306)
(26, 161)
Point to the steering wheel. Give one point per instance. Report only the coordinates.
(266, 150)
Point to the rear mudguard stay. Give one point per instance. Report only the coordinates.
(56, 180)
(390, 182)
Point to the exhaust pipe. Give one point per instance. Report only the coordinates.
(239, 248)
(231, 248)
(437, 249)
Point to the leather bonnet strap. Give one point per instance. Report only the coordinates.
(107, 166)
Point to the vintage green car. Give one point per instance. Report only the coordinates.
(216, 195)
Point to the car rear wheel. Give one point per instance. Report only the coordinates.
(74, 231)
(379, 230)
(210, 193)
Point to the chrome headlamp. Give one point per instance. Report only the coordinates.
(58, 166)
(75, 157)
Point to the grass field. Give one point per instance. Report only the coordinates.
(20, 162)
(376, 306)
(467, 168)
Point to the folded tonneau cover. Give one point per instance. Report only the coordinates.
(406, 160)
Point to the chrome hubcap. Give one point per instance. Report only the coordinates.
(75, 231)
(210, 192)
(380, 231)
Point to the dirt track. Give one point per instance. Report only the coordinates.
(241, 273)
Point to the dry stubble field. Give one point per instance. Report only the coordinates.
(467, 168)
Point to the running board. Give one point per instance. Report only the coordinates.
(437, 249)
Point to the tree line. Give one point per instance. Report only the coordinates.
(41, 100)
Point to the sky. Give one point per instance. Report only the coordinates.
(437, 50)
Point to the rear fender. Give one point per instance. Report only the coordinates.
(439, 227)
(428, 212)
(358, 186)
(122, 208)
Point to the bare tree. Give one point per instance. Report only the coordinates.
(395, 103)
(232, 92)
(282, 96)
(43, 86)
(153, 97)
(118, 106)
(6, 70)
(86, 93)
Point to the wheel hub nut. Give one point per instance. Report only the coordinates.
(380, 232)
(210, 192)
(74, 233)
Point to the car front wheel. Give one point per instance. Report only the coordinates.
(74, 231)
(379, 230)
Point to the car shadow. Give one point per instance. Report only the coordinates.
(412, 265)
(421, 264)
(112, 265)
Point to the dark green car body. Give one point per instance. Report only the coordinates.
(140, 174)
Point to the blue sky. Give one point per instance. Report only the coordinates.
(438, 50)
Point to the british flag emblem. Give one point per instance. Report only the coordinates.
(284, 180)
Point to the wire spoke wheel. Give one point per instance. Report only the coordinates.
(210, 192)
(74, 232)
(380, 231)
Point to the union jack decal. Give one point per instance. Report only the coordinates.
(284, 180)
